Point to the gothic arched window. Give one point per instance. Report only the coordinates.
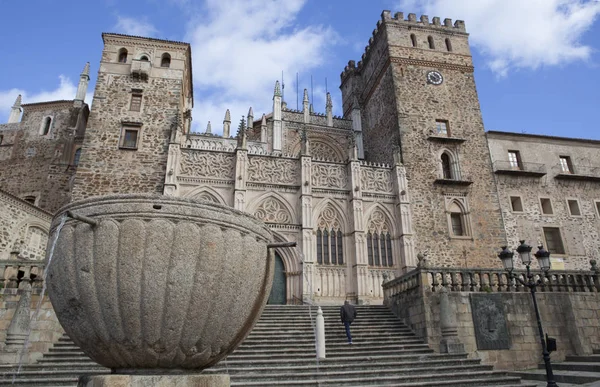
(77, 156)
(448, 44)
(46, 126)
(431, 42)
(165, 60)
(446, 166)
(123, 55)
(413, 40)
(330, 247)
(457, 219)
(379, 241)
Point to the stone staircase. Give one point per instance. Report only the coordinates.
(280, 351)
(574, 371)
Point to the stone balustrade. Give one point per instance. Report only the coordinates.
(12, 272)
(491, 280)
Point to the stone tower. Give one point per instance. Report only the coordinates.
(419, 105)
(141, 105)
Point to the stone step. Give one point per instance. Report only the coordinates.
(584, 358)
(574, 366)
(330, 350)
(326, 366)
(412, 374)
(283, 337)
(560, 376)
(44, 381)
(359, 359)
(307, 355)
(479, 379)
(596, 351)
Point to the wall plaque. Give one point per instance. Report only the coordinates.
(489, 321)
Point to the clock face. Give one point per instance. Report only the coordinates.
(435, 78)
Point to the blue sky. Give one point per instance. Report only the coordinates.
(536, 61)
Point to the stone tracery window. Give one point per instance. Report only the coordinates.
(330, 248)
(379, 241)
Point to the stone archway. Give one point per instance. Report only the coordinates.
(278, 291)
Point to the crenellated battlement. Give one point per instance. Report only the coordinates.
(423, 21)
(409, 23)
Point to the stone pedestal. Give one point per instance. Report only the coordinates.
(450, 343)
(154, 380)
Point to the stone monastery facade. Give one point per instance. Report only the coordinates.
(408, 171)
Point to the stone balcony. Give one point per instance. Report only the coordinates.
(523, 169)
(579, 173)
(140, 69)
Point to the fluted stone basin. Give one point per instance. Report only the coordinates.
(159, 283)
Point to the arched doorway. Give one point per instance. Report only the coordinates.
(278, 291)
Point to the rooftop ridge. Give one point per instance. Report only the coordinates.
(58, 101)
(399, 20)
(114, 34)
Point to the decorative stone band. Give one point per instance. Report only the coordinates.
(160, 282)
(489, 280)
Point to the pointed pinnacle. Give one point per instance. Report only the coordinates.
(277, 89)
(86, 69)
(17, 102)
(227, 116)
(305, 96)
(208, 128)
(250, 112)
(264, 121)
(329, 103)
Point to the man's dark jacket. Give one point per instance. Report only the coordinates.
(348, 313)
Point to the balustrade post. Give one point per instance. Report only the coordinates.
(450, 343)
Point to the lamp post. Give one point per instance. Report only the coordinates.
(543, 256)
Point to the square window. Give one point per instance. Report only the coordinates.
(573, 207)
(565, 164)
(514, 159)
(554, 242)
(546, 206)
(442, 128)
(136, 103)
(516, 204)
(129, 137)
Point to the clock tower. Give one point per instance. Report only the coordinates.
(419, 107)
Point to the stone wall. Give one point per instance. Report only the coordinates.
(572, 317)
(106, 165)
(580, 234)
(400, 108)
(37, 165)
(24, 229)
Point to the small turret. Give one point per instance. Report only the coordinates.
(227, 124)
(84, 79)
(277, 124)
(306, 107)
(357, 128)
(329, 110)
(242, 140)
(208, 128)
(15, 111)
(263, 129)
(250, 121)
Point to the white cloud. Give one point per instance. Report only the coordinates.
(517, 34)
(137, 27)
(65, 90)
(240, 47)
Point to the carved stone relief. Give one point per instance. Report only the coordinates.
(271, 210)
(489, 321)
(272, 170)
(323, 151)
(207, 164)
(207, 197)
(376, 180)
(329, 176)
(378, 222)
(329, 219)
